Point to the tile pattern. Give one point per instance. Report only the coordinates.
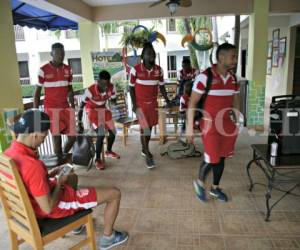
(161, 212)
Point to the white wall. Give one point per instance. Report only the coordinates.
(279, 82)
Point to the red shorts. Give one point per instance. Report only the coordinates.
(101, 117)
(147, 114)
(62, 121)
(72, 201)
(218, 139)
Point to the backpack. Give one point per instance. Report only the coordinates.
(180, 149)
(200, 104)
(83, 151)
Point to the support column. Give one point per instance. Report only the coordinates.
(257, 62)
(89, 42)
(10, 94)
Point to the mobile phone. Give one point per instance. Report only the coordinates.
(66, 169)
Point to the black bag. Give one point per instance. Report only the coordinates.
(285, 123)
(83, 151)
(180, 149)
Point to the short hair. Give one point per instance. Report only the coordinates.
(146, 46)
(104, 75)
(224, 47)
(186, 60)
(57, 46)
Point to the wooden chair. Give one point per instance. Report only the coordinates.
(121, 117)
(171, 116)
(22, 223)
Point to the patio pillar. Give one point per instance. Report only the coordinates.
(10, 94)
(257, 62)
(89, 42)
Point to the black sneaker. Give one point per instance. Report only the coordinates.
(150, 162)
(217, 193)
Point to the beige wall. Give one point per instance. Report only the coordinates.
(77, 10)
(280, 82)
(141, 11)
(10, 94)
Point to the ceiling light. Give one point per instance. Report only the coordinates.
(172, 7)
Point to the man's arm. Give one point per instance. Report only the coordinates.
(71, 96)
(236, 105)
(133, 99)
(164, 93)
(48, 202)
(195, 97)
(37, 96)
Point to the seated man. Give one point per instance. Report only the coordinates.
(54, 197)
(187, 74)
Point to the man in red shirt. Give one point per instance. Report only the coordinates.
(144, 81)
(186, 74)
(95, 99)
(56, 78)
(219, 131)
(54, 197)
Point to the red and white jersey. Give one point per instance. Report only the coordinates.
(184, 102)
(188, 75)
(220, 95)
(146, 82)
(95, 99)
(56, 83)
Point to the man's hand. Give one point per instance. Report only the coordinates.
(190, 135)
(62, 179)
(54, 171)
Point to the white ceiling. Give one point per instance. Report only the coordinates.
(114, 2)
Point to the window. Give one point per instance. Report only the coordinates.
(186, 57)
(172, 67)
(70, 34)
(19, 33)
(75, 64)
(172, 63)
(23, 69)
(171, 25)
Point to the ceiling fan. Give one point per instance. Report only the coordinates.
(173, 4)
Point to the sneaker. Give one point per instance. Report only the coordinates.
(112, 154)
(150, 162)
(144, 154)
(217, 193)
(78, 230)
(200, 191)
(116, 239)
(100, 164)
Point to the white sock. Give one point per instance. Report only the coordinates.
(109, 237)
(200, 183)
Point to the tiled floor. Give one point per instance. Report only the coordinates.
(160, 211)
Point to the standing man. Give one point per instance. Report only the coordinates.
(144, 81)
(56, 78)
(219, 132)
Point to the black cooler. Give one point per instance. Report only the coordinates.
(285, 123)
